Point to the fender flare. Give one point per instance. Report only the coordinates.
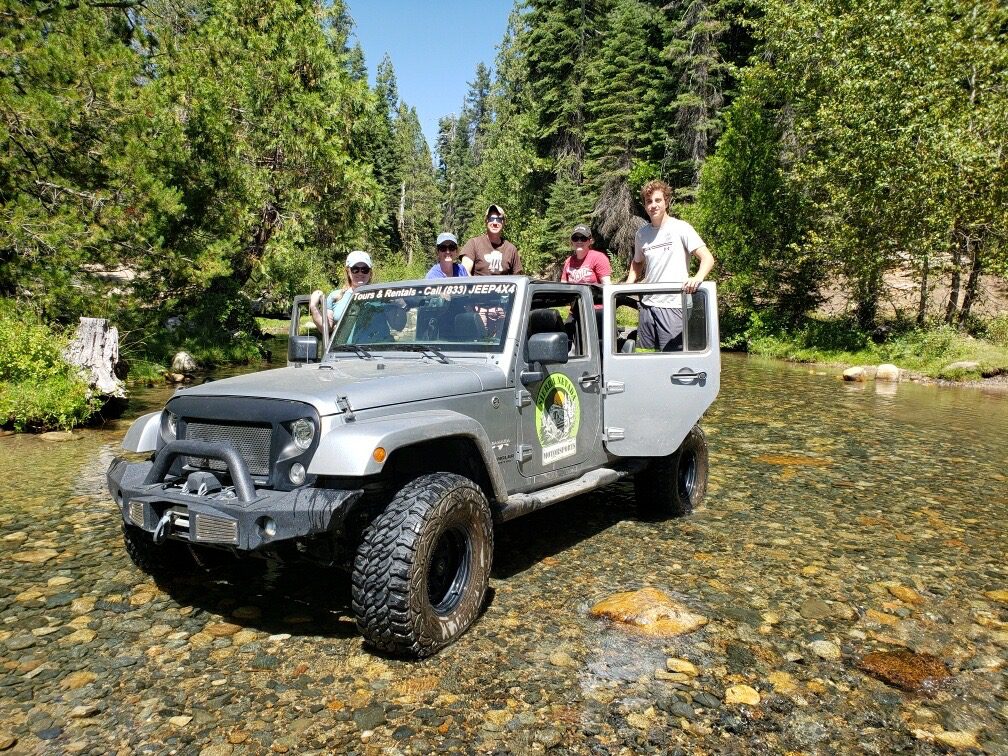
(143, 434)
(346, 449)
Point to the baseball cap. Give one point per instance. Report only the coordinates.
(495, 210)
(443, 237)
(582, 229)
(357, 257)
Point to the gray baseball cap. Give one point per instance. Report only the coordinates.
(446, 236)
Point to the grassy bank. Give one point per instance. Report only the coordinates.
(929, 352)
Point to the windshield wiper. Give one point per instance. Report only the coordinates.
(427, 351)
(357, 349)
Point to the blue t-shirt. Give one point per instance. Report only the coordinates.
(436, 271)
(337, 302)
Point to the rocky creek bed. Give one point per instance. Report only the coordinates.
(849, 563)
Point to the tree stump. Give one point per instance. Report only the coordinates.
(95, 350)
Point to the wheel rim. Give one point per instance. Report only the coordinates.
(687, 474)
(448, 570)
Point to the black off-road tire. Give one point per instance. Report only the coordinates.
(423, 566)
(675, 485)
(157, 560)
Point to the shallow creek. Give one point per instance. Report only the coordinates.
(841, 520)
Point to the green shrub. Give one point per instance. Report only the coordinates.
(997, 331)
(38, 390)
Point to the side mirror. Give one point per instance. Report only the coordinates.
(544, 349)
(302, 349)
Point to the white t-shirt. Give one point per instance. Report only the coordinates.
(666, 251)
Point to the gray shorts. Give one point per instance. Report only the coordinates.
(660, 328)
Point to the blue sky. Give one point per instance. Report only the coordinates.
(434, 47)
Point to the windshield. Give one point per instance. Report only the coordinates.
(472, 317)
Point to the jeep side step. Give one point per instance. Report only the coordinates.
(519, 504)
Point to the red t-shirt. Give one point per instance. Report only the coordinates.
(589, 271)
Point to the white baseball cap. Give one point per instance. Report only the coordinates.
(357, 257)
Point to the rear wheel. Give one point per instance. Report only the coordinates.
(673, 486)
(423, 566)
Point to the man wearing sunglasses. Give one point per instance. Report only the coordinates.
(491, 254)
(585, 265)
(446, 266)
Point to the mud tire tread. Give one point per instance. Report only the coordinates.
(389, 589)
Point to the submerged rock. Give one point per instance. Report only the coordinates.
(854, 374)
(649, 611)
(741, 694)
(917, 673)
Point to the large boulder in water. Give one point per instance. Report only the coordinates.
(184, 363)
(856, 373)
(887, 372)
(649, 611)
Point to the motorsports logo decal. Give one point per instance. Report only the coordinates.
(558, 415)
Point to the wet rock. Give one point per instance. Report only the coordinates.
(649, 611)
(84, 711)
(706, 700)
(221, 629)
(34, 556)
(7, 741)
(682, 666)
(918, 673)
(561, 659)
(76, 680)
(369, 717)
(825, 649)
(49, 733)
(217, 749)
(180, 721)
(887, 372)
(1000, 595)
(955, 740)
(854, 374)
(57, 436)
(906, 595)
(741, 694)
(20, 642)
(815, 608)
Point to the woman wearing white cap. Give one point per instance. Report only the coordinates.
(446, 266)
(358, 273)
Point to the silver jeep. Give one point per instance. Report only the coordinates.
(435, 409)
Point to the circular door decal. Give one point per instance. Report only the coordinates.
(558, 415)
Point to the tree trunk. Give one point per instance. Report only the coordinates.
(953, 300)
(922, 306)
(95, 350)
(973, 283)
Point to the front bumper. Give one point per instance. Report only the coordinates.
(247, 519)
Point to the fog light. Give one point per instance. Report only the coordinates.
(296, 474)
(267, 526)
(303, 431)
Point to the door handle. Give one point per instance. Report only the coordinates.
(588, 380)
(688, 376)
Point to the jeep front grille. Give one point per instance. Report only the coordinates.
(252, 442)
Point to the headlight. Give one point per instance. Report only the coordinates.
(171, 424)
(303, 431)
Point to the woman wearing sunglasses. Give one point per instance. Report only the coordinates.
(358, 272)
(446, 265)
(585, 265)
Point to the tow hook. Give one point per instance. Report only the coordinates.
(161, 530)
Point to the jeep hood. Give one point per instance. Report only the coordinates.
(365, 383)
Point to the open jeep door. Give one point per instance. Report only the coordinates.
(640, 386)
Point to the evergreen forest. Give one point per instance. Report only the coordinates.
(210, 159)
